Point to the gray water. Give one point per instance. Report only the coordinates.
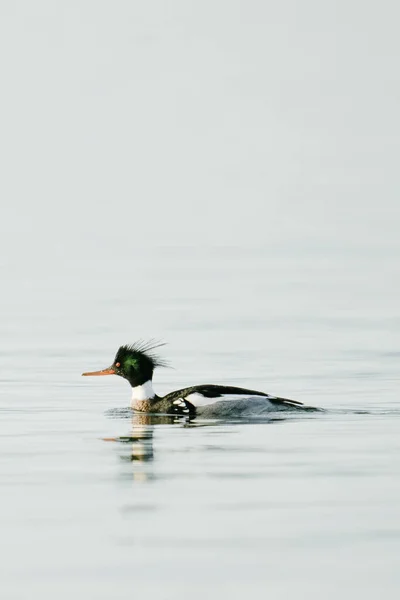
(97, 502)
(222, 176)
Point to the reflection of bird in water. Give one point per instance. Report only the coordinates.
(137, 446)
(136, 364)
(140, 439)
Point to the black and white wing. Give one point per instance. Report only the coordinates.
(181, 406)
(195, 399)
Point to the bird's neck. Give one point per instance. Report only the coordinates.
(142, 393)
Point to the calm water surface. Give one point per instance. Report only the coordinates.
(97, 502)
(223, 176)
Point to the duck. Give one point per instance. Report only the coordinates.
(136, 363)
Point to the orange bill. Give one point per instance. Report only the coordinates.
(109, 371)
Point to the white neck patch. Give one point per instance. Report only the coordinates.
(143, 392)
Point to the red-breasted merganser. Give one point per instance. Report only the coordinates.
(137, 362)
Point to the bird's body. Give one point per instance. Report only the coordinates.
(201, 399)
(136, 363)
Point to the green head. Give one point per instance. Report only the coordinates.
(135, 363)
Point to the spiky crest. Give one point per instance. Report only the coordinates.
(140, 348)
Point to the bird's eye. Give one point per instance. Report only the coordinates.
(117, 364)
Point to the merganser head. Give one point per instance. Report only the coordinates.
(135, 363)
